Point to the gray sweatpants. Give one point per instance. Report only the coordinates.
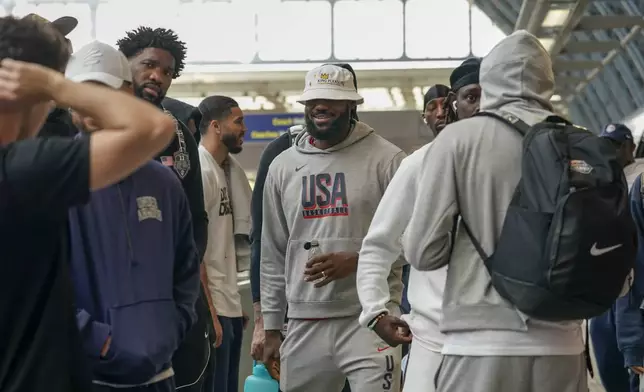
(512, 374)
(318, 355)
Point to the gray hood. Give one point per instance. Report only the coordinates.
(517, 77)
(360, 131)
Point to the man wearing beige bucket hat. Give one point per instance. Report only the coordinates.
(319, 198)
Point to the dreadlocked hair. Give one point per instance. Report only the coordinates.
(145, 37)
(448, 107)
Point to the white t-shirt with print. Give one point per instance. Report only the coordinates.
(220, 259)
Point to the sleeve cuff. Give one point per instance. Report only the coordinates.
(273, 321)
(366, 316)
(633, 356)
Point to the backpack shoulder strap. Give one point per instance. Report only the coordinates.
(517, 124)
(557, 120)
(290, 137)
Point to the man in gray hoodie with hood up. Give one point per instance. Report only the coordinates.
(471, 170)
(319, 198)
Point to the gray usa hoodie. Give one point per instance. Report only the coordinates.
(472, 170)
(326, 197)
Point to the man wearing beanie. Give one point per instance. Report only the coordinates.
(464, 82)
(319, 199)
(435, 110)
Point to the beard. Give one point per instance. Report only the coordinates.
(334, 130)
(140, 92)
(231, 141)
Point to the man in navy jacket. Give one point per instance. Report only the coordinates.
(134, 261)
(629, 318)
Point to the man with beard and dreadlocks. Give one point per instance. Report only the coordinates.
(319, 198)
(272, 150)
(157, 57)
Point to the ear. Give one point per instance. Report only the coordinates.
(215, 126)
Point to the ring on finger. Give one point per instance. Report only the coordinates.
(324, 274)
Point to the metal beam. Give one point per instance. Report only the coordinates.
(575, 15)
(267, 83)
(577, 47)
(574, 65)
(635, 31)
(609, 22)
(531, 15)
(565, 80)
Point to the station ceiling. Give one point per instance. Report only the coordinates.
(597, 48)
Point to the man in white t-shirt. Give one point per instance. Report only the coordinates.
(222, 132)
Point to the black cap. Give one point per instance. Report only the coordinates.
(465, 74)
(64, 25)
(436, 91)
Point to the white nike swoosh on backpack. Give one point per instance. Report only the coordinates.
(595, 251)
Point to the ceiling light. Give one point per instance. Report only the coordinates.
(556, 18)
(547, 43)
(556, 98)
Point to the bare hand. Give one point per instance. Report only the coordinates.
(259, 339)
(325, 268)
(271, 354)
(219, 331)
(106, 346)
(21, 81)
(393, 330)
(272, 343)
(638, 369)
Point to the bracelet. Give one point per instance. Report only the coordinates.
(372, 323)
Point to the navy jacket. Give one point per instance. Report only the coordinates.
(135, 268)
(629, 318)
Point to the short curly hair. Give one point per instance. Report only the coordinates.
(145, 37)
(34, 42)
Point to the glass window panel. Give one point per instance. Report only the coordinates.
(437, 29)
(485, 34)
(81, 35)
(368, 30)
(218, 32)
(376, 99)
(112, 22)
(295, 30)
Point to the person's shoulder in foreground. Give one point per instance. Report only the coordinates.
(39, 346)
(42, 178)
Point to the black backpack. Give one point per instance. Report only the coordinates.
(568, 242)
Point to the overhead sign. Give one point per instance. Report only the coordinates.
(266, 127)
